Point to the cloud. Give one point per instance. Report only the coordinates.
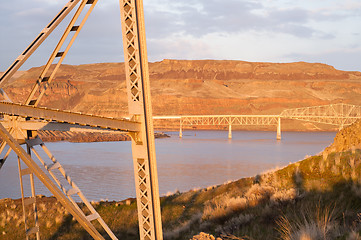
(181, 48)
(290, 15)
(198, 18)
(32, 12)
(264, 30)
(296, 30)
(201, 17)
(342, 59)
(99, 41)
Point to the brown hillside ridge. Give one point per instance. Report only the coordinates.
(199, 87)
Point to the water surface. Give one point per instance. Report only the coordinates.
(104, 170)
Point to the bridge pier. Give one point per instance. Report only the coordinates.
(180, 130)
(279, 129)
(230, 131)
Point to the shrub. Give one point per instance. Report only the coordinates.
(258, 193)
(218, 208)
(235, 223)
(183, 227)
(309, 224)
(283, 195)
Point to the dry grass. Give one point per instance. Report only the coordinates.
(219, 208)
(247, 207)
(235, 223)
(258, 193)
(356, 188)
(309, 224)
(182, 227)
(283, 196)
(223, 206)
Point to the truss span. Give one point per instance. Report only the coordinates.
(224, 120)
(334, 114)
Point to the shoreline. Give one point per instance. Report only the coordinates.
(78, 137)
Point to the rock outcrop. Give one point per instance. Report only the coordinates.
(346, 139)
(204, 236)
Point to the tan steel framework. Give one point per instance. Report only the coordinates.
(19, 61)
(339, 114)
(139, 103)
(226, 120)
(21, 121)
(231, 120)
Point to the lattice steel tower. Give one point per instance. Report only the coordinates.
(21, 122)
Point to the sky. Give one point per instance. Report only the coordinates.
(325, 31)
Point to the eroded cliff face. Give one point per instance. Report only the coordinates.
(198, 87)
(226, 70)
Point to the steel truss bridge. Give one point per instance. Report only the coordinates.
(21, 121)
(339, 114)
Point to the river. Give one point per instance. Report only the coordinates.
(104, 170)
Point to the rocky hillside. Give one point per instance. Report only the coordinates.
(346, 139)
(198, 87)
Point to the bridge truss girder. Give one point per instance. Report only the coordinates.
(334, 114)
(226, 120)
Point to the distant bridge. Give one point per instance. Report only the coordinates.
(339, 114)
(334, 114)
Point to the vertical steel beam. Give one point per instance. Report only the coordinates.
(35, 209)
(139, 103)
(22, 197)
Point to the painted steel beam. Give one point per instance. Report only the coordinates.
(34, 125)
(37, 42)
(53, 188)
(139, 103)
(45, 78)
(69, 117)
